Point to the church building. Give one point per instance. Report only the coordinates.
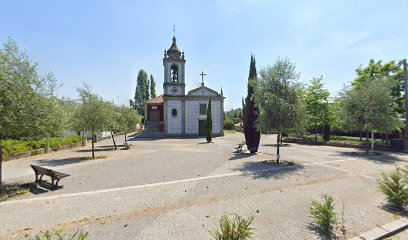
(179, 114)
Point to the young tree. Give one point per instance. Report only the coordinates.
(152, 87)
(28, 108)
(93, 114)
(369, 108)
(209, 122)
(252, 134)
(316, 103)
(277, 95)
(141, 92)
(129, 120)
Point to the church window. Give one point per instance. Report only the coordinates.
(203, 109)
(174, 73)
(174, 112)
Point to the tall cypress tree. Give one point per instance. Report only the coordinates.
(152, 87)
(141, 92)
(209, 122)
(252, 135)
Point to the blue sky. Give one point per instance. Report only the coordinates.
(105, 43)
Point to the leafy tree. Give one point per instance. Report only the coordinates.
(368, 108)
(28, 108)
(277, 95)
(152, 87)
(93, 114)
(252, 134)
(129, 121)
(141, 92)
(316, 103)
(376, 70)
(209, 122)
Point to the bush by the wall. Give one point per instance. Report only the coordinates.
(228, 124)
(15, 147)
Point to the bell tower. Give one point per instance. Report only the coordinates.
(174, 71)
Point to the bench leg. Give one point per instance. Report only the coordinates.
(42, 175)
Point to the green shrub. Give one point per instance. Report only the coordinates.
(15, 147)
(58, 235)
(323, 215)
(234, 227)
(228, 124)
(395, 187)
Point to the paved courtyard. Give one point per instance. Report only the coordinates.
(178, 189)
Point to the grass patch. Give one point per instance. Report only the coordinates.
(8, 191)
(59, 235)
(227, 131)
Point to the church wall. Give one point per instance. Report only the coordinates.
(174, 122)
(202, 93)
(193, 115)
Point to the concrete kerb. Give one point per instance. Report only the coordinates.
(385, 231)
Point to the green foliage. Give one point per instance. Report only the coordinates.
(377, 70)
(367, 108)
(15, 147)
(209, 122)
(28, 108)
(152, 87)
(58, 235)
(228, 124)
(141, 92)
(278, 97)
(395, 187)
(235, 115)
(93, 114)
(234, 227)
(316, 103)
(323, 215)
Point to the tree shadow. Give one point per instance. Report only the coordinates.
(313, 228)
(377, 157)
(8, 191)
(259, 170)
(393, 210)
(239, 156)
(97, 149)
(275, 145)
(61, 161)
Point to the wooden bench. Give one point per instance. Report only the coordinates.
(55, 176)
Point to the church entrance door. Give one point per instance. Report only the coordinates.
(202, 127)
(154, 116)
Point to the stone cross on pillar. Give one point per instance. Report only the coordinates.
(202, 77)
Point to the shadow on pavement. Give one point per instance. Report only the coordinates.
(239, 156)
(261, 170)
(60, 162)
(378, 157)
(275, 145)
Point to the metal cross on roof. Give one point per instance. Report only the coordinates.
(174, 30)
(202, 77)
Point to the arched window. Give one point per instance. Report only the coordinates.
(174, 112)
(174, 73)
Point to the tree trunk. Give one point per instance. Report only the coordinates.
(315, 130)
(114, 142)
(277, 149)
(361, 136)
(1, 164)
(372, 140)
(387, 139)
(126, 140)
(367, 142)
(93, 143)
(281, 139)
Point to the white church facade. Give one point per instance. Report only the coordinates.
(177, 113)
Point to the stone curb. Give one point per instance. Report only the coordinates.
(384, 231)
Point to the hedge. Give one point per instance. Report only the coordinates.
(15, 147)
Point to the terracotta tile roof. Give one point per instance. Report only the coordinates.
(156, 100)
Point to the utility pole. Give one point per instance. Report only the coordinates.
(406, 97)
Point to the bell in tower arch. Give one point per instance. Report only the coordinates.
(174, 73)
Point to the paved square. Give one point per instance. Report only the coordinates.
(178, 189)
